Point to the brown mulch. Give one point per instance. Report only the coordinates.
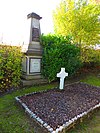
(56, 107)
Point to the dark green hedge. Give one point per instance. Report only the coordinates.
(59, 52)
(10, 67)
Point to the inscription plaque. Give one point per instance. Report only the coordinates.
(35, 65)
(35, 34)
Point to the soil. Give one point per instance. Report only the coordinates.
(56, 107)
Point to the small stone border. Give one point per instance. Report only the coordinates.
(45, 125)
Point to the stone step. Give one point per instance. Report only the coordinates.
(33, 82)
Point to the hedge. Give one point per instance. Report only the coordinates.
(59, 52)
(10, 67)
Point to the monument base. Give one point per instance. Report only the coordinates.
(31, 82)
(30, 77)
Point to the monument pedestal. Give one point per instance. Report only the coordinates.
(31, 62)
(33, 82)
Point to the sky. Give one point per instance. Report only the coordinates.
(13, 16)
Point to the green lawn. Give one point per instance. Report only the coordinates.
(14, 120)
(93, 80)
(90, 125)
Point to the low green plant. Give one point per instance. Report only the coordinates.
(59, 52)
(10, 66)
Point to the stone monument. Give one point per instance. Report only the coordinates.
(31, 62)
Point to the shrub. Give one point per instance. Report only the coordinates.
(90, 57)
(10, 67)
(59, 53)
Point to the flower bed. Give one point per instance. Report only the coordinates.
(55, 110)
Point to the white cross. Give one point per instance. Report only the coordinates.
(62, 74)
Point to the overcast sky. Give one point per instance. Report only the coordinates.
(13, 15)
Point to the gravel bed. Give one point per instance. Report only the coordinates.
(56, 107)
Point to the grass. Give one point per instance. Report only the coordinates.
(93, 80)
(90, 125)
(14, 120)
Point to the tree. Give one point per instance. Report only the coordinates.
(80, 20)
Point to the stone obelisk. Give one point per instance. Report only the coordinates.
(31, 64)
